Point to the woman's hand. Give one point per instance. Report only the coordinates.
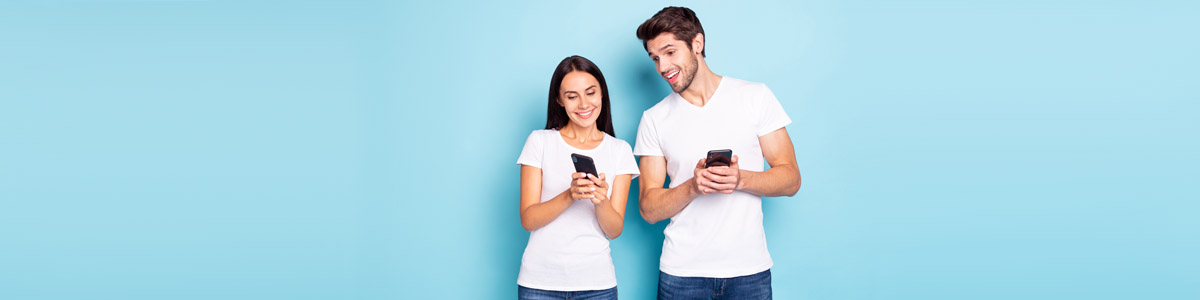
(581, 186)
(600, 192)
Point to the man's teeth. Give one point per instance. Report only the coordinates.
(672, 75)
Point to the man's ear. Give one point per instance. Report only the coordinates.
(698, 43)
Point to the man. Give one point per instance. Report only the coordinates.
(715, 245)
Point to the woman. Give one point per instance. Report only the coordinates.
(570, 215)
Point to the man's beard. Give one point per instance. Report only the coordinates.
(689, 73)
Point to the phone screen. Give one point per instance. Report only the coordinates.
(584, 164)
(718, 158)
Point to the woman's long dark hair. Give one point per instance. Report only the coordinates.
(556, 115)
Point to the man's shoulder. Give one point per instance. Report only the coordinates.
(743, 85)
(661, 108)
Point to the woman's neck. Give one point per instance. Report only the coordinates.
(581, 135)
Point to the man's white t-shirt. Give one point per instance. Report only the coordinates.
(571, 253)
(716, 235)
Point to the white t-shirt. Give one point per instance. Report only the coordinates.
(571, 253)
(716, 235)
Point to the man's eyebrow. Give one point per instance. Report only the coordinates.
(664, 47)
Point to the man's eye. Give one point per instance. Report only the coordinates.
(670, 52)
(655, 58)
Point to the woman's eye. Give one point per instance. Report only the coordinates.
(592, 93)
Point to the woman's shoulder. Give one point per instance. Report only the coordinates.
(542, 133)
(618, 144)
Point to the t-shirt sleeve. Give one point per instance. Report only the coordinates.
(627, 164)
(647, 138)
(771, 114)
(531, 155)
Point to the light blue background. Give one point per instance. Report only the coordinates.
(366, 149)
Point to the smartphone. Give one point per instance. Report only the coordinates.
(718, 158)
(584, 164)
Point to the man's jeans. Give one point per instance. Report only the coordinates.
(524, 293)
(755, 286)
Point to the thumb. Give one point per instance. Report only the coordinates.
(733, 161)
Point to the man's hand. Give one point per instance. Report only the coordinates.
(720, 179)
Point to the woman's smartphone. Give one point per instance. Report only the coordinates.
(719, 158)
(584, 164)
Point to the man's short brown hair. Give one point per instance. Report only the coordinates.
(680, 21)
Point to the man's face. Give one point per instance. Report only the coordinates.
(674, 60)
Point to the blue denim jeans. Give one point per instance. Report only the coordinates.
(524, 293)
(754, 286)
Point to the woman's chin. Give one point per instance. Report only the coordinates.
(583, 124)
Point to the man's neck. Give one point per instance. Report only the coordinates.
(702, 88)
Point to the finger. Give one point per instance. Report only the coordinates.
(581, 195)
(700, 164)
(599, 181)
(700, 184)
(722, 179)
(714, 177)
(722, 171)
(731, 170)
(723, 186)
(586, 182)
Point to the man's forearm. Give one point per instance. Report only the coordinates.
(782, 180)
(658, 204)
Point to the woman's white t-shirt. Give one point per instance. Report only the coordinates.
(571, 253)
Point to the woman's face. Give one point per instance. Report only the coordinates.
(580, 95)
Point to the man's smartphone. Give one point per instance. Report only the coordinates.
(719, 158)
(584, 164)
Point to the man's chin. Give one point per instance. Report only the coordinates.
(678, 88)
